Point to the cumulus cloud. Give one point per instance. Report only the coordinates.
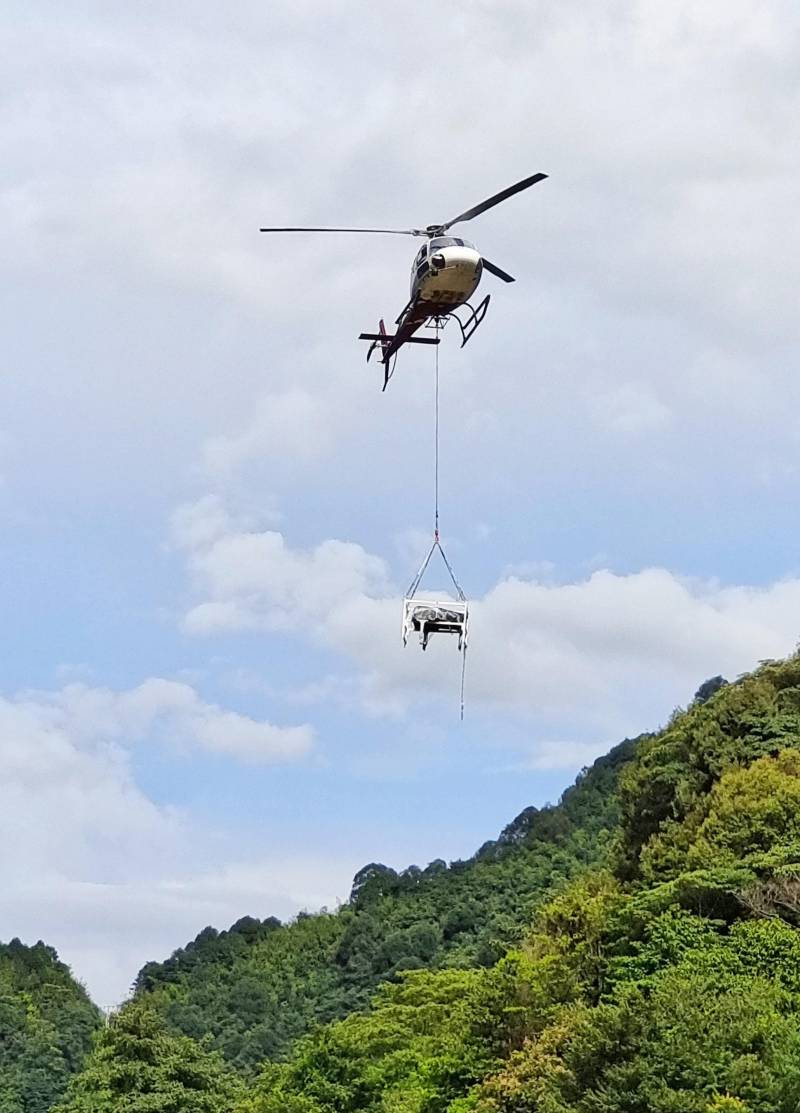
(254, 580)
(170, 709)
(198, 524)
(664, 241)
(604, 651)
(293, 423)
(97, 867)
(70, 798)
(68, 802)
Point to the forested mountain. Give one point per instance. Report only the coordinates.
(633, 949)
(665, 981)
(46, 1027)
(260, 985)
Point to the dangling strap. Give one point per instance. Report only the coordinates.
(463, 671)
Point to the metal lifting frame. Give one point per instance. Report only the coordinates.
(428, 617)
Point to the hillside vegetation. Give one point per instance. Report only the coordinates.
(666, 980)
(633, 949)
(259, 986)
(46, 1027)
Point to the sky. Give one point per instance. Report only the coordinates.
(209, 511)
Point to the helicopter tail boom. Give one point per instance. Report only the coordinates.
(389, 344)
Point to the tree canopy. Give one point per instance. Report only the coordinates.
(634, 948)
(46, 1027)
(139, 1067)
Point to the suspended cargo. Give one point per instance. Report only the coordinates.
(435, 616)
(443, 615)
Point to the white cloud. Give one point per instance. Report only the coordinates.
(99, 869)
(608, 652)
(107, 929)
(412, 546)
(634, 409)
(170, 710)
(290, 424)
(568, 756)
(200, 523)
(226, 732)
(67, 804)
(670, 208)
(255, 581)
(662, 122)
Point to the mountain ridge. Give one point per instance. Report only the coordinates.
(463, 913)
(633, 948)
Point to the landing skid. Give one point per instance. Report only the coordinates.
(474, 316)
(382, 341)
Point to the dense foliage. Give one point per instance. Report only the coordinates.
(46, 1027)
(633, 949)
(138, 1067)
(665, 981)
(259, 986)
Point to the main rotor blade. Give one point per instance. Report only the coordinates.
(492, 201)
(497, 271)
(387, 231)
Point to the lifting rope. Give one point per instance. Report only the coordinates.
(437, 544)
(436, 439)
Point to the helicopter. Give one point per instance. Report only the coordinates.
(445, 274)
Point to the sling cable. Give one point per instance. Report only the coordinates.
(425, 615)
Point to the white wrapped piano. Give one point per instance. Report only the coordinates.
(426, 617)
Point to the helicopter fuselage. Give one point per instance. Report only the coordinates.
(445, 274)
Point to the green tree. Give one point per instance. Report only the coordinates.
(663, 790)
(750, 812)
(258, 987)
(138, 1067)
(419, 1047)
(46, 1026)
(690, 1043)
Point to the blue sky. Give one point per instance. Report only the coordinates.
(209, 511)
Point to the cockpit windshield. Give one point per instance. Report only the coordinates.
(448, 241)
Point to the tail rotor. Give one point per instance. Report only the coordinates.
(381, 339)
